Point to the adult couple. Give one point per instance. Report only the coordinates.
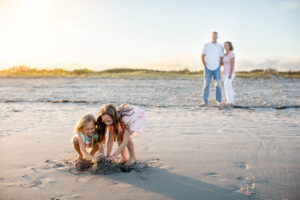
(212, 58)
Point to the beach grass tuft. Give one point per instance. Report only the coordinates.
(25, 71)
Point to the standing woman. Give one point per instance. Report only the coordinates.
(228, 72)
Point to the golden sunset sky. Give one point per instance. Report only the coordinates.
(167, 35)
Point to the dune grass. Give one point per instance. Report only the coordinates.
(25, 71)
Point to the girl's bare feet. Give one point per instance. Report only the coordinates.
(131, 161)
(77, 159)
(123, 161)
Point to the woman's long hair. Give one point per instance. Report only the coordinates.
(116, 114)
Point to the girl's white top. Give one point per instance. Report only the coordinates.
(137, 119)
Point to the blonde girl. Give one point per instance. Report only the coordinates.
(120, 123)
(87, 137)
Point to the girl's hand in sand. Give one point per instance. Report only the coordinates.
(94, 160)
(112, 158)
(100, 155)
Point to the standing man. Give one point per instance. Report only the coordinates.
(212, 56)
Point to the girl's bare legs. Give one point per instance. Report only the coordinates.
(126, 141)
(132, 158)
(95, 149)
(76, 146)
(123, 154)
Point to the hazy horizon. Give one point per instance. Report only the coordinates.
(157, 35)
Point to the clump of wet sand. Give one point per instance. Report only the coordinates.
(105, 166)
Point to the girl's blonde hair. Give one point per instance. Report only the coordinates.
(84, 119)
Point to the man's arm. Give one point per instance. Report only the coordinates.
(203, 60)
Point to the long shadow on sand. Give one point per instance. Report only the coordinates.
(149, 176)
(175, 186)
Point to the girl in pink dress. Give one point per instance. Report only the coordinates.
(121, 123)
(228, 72)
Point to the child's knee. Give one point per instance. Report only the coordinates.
(74, 140)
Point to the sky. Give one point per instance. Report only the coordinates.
(152, 34)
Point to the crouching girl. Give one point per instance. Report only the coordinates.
(87, 137)
(121, 123)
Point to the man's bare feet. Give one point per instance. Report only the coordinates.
(228, 104)
(203, 104)
(219, 103)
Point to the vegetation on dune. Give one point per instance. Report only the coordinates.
(25, 71)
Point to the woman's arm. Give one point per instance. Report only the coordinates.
(232, 60)
(83, 148)
(125, 141)
(110, 141)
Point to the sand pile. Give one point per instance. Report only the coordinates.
(105, 166)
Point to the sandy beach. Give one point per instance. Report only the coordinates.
(248, 152)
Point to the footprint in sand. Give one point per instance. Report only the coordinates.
(242, 165)
(33, 169)
(32, 183)
(10, 184)
(57, 165)
(214, 175)
(190, 133)
(248, 187)
(57, 197)
(41, 181)
(75, 196)
(35, 183)
(239, 178)
(244, 185)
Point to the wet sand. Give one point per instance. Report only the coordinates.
(193, 152)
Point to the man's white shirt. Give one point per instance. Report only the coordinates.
(213, 53)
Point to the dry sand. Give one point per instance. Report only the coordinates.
(192, 152)
(211, 160)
